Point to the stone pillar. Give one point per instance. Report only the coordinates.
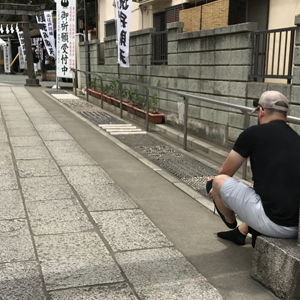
(31, 81)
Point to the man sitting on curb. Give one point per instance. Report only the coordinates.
(271, 207)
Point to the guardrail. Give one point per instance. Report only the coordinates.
(181, 95)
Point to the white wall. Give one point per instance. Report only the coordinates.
(282, 13)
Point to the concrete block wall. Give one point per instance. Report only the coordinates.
(213, 63)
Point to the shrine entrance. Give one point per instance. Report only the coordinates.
(25, 11)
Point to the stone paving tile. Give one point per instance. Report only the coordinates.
(165, 274)
(6, 161)
(22, 132)
(19, 124)
(119, 291)
(3, 137)
(12, 109)
(55, 136)
(45, 188)
(86, 175)
(26, 141)
(49, 128)
(19, 117)
(8, 180)
(129, 230)
(20, 281)
(48, 120)
(63, 146)
(11, 205)
(44, 114)
(75, 260)
(104, 197)
(4, 148)
(73, 159)
(40, 152)
(57, 216)
(35, 168)
(15, 241)
(38, 109)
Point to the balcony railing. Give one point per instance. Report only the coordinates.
(159, 48)
(272, 54)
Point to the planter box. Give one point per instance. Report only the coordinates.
(115, 102)
(153, 118)
(131, 109)
(140, 113)
(108, 99)
(94, 93)
(125, 105)
(156, 118)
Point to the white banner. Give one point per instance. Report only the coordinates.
(123, 9)
(65, 39)
(50, 30)
(21, 58)
(7, 56)
(22, 43)
(45, 35)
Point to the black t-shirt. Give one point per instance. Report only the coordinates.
(35, 57)
(274, 150)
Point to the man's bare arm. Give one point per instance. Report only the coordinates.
(232, 163)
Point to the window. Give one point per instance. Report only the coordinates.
(110, 28)
(172, 13)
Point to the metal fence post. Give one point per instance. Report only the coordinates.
(186, 107)
(87, 85)
(101, 92)
(76, 80)
(147, 109)
(121, 102)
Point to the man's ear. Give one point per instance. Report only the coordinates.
(261, 112)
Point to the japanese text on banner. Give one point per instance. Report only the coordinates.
(22, 43)
(123, 10)
(66, 34)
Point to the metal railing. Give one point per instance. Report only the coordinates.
(159, 48)
(181, 95)
(272, 54)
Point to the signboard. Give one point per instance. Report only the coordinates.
(66, 34)
(7, 56)
(123, 8)
(48, 38)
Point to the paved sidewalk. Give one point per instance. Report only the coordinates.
(83, 219)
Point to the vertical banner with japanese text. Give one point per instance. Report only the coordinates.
(21, 58)
(65, 37)
(22, 43)
(50, 30)
(7, 56)
(48, 39)
(123, 9)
